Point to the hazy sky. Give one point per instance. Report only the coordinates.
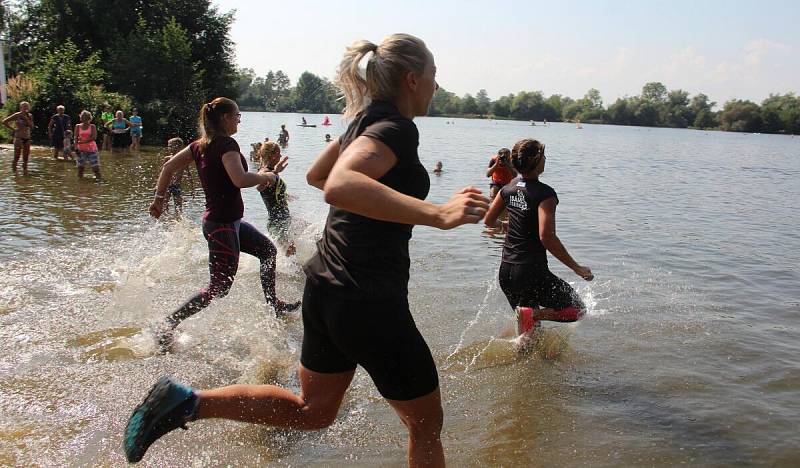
(726, 49)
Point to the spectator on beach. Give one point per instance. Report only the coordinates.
(58, 124)
(23, 124)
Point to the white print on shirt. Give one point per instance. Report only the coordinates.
(517, 200)
(521, 183)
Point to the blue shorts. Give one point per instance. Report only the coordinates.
(86, 157)
(136, 131)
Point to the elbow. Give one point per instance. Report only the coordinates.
(312, 180)
(334, 193)
(548, 240)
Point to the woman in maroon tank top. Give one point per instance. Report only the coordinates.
(223, 172)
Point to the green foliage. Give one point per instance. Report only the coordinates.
(168, 56)
(741, 116)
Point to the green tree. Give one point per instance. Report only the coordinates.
(483, 102)
(741, 116)
(654, 92)
(469, 105)
(502, 106)
(702, 110)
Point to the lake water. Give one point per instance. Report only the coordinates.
(688, 355)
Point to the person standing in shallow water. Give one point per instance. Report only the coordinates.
(222, 171)
(86, 144)
(58, 124)
(23, 124)
(524, 275)
(276, 197)
(355, 304)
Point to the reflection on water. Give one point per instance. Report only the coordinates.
(687, 355)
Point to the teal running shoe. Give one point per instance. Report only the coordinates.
(168, 406)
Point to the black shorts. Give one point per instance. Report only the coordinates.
(535, 286)
(380, 336)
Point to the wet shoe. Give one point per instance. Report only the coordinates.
(168, 406)
(525, 321)
(282, 308)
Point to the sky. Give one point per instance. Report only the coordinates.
(726, 49)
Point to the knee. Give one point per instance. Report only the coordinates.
(427, 426)
(221, 288)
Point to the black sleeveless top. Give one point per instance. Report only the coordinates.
(522, 198)
(360, 257)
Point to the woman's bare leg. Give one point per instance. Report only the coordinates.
(315, 408)
(423, 417)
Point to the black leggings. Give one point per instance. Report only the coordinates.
(535, 286)
(225, 241)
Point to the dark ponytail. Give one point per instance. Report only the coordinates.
(526, 154)
(210, 121)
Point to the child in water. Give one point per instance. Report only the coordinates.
(531, 289)
(174, 190)
(275, 196)
(67, 151)
(438, 168)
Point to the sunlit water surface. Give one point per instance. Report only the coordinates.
(689, 353)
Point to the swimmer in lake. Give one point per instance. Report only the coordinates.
(524, 276)
(437, 169)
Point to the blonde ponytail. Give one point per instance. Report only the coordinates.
(382, 72)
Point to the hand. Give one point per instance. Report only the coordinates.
(157, 208)
(584, 273)
(281, 165)
(271, 179)
(466, 206)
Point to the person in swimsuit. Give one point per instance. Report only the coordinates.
(85, 142)
(120, 127)
(58, 124)
(136, 129)
(223, 173)
(106, 117)
(524, 275)
(437, 169)
(283, 136)
(175, 189)
(355, 304)
(23, 124)
(328, 138)
(500, 170)
(276, 198)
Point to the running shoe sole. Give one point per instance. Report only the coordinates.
(162, 399)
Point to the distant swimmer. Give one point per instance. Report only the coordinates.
(531, 289)
(23, 124)
(500, 170)
(437, 169)
(355, 303)
(175, 187)
(304, 121)
(276, 196)
(86, 144)
(328, 138)
(222, 170)
(283, 136)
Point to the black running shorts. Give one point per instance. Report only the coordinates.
(535, 286)
(380, 336)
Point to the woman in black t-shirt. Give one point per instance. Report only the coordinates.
(524, 276)
(355, 304)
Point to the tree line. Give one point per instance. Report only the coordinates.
(654, 107)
